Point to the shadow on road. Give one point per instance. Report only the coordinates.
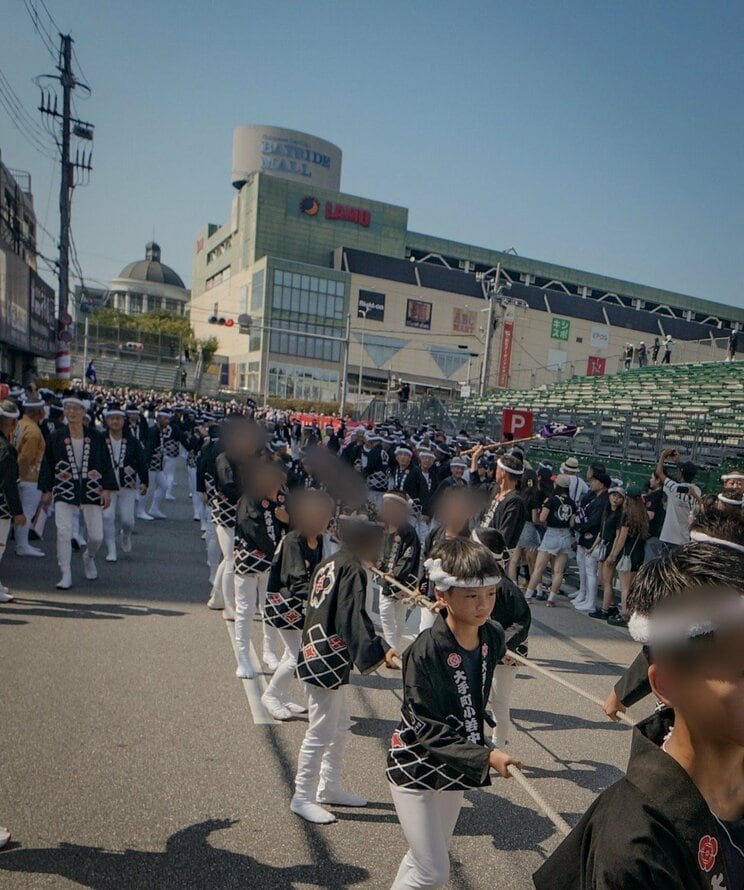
(548, 720)
(92, 609)
(188, 861)
(590, 774)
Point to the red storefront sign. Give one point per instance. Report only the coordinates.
(507, 338)
(517, 422)
(595, 366)
(357, 215)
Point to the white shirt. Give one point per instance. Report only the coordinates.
(577, 488)
(680, 504)
(77, 450)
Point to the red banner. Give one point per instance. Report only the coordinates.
(507, 337)
(516, 422)
(595, 366)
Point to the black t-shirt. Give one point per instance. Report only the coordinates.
(610, 526)
(654, 501)
(731, 837)
(561, 508)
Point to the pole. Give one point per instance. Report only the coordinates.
(345, 371)
(67, 81)
(361, 355)
(489, 332)
(85, 344)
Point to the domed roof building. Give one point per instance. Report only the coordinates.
(147, 285)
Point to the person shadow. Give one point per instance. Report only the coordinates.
(188, 862)
(49, 608)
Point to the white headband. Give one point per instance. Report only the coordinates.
(506, 469)
(74, 400)
(10, 414)
(401, 450)
(702, 538)
(727, 476)
(655, 630)
(394, 496)
(442, 581)
(733, 503)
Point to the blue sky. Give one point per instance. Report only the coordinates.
(604, 136)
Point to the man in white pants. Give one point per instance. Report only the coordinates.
(156, 450)
(130, 466)
(30, 446)
(78, 475)
(11, 510)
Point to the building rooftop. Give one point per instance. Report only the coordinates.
(151, 269)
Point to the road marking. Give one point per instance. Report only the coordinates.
(256, 687)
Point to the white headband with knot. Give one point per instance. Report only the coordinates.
(442, 581)
(701, 538)
(11, 415)
(655, 630)
(730, 501)
(506, 469)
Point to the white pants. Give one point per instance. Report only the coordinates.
(30, 500)
(503, 683)
(4, 532)
(248, 589)
(588, 567)
(196, 498)
(122, 505)
(64, 517)
(226, 538)
(428, 820)
(156, 489)
(393, 620)
(169, 471)
(214, 554)
(322, 753)
(282, 679)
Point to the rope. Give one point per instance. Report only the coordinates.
(560, 823)
(551, 676)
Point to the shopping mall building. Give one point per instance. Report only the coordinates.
(299, 256)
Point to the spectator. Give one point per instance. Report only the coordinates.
(577, 488)
(558, 515)
(682, 498)
(628, 550)
(589, 525)
(642, 355)
(732, 344)
(90, 373)
(184, 376)
(628, 356)
(655, 351)
(601, 552)
(529, 539)
(666, 359)
(654, 501)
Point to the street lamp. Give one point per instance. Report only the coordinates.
(361, 311)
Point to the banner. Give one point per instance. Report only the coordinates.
(507, 338)
(41, 322)
(418, 315)
(560, 328)
(516, 422)
(595, 366)
(600, 338)
(371, 305)
(464, 321)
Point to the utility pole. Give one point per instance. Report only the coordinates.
(345, 372)
(69, 127)
(493, 289)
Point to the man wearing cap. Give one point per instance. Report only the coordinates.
(11, 509)
(130, 467)
(30, 446)
(588, 526)
(577, 487)
(681, 499)
(78, 475)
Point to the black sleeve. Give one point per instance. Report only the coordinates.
(46, 469)
(9, 481)
(406, 566)
(511, 521)
(139, 462)
(109, 482)
(633, 685)
(353, 624)
(295, 577)
(435, 735)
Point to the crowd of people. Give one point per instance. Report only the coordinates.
(451, 537)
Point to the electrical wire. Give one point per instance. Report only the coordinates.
(41, 29)
(21, 120)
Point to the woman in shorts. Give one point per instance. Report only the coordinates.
(558, 515)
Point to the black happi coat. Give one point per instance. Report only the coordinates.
(139, 430)
(257, 533)
(512, 611)
(10, 500)
(652, 829)
(162, 444)
(69, 483)
(589, 517)
(439, 743)
(508, 517)
(375, 471)
(206, 468)
(338, 633)
(226, 490)
(131, 465)
(411, 480)
(288, 586)
(48, 426)
(401, 558)
(634, 684)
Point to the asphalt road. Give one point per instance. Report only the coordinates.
(131, 757)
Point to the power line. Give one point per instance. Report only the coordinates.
(41, 29)
(19, 117)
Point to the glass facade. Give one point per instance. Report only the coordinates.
(308, 304)
(295, 382)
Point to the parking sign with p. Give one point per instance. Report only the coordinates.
(517, 423)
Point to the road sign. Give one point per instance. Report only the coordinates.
(65, 336)
(65, 318)
(516, 422)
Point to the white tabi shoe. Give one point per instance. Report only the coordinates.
(337, 797)
(169, 497)
(126, 543)
(145, 516)
(310, 811)
(4, 837)
(89, 567)
(244, 670)
(157, 514)
(111, 555)
(271, 661)
(276, 708)
(65, 582)
(296, 708)
(6, 597)
(29, 551)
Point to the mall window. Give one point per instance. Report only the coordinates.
(295, 382)
(307, 347)
(174, 306)
(218, 278)
(257, 290)
(308, 295)
(135, 304)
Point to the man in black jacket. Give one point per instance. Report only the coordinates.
(507, 512)
(11, 509)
